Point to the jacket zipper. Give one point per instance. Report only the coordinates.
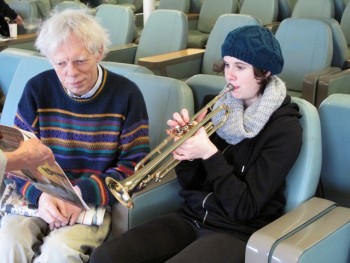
(206, 210)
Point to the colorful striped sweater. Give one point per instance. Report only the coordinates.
(104, 135)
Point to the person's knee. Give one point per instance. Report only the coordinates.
(13, 250)
(58, 249)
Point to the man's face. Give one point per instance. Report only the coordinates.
(75, 66)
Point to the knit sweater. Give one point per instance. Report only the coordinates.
(92, 138)
(241, 187)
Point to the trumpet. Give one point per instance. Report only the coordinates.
(159, 162)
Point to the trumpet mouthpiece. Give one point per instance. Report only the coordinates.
(229, 87)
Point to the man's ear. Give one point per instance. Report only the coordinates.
(99, 55)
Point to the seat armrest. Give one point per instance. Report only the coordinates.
(192, 16)
(273, 26)
(325, 240)
(336, 82)
(20, 39)
(192, 19)
(267, 238)
(122, 53)
(310, 83)
(159, 63)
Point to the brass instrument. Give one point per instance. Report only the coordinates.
(144, 173)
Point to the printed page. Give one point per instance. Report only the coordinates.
(50, 179)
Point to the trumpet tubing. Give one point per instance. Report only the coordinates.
(159, 162)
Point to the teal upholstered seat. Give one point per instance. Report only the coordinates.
(325, 234)
(164, 32)
(180, 5)
(119, 21)
(307, 47)
(335, 174)
(345, 24)
(69, 5)
(317, 8)
(265, 10)
(209, 13)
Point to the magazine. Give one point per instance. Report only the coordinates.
(12, 202)
(50, 179)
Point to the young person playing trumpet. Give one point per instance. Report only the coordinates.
(233, 181)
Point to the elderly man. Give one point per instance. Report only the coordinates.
(96, 124)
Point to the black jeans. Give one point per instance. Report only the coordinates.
(171, 238)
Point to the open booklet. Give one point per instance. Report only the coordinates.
(12, 202)
(50, 179)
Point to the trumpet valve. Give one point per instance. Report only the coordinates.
(181, 130)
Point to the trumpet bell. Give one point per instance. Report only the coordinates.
(120, 192)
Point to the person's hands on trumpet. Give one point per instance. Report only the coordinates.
(198, 146)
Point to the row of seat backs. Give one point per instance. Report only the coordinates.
(27, 9)
(270, 11)
(180, 5)
(69, 5)
(323, 8)
(155, 40)
(163, 96)
(209, 13)
(307, 46)
(297, 45)
(266, 10)
(300, 40)
(224, 24)
(119, 21)
(345, 23)
(135, 5)
(337, 9)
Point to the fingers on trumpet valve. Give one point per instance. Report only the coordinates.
(180, 130)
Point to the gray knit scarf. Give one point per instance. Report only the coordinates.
(247, 123)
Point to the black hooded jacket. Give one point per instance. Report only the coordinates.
(241, 187)
(6, 10)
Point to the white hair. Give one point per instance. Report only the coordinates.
(60, 25)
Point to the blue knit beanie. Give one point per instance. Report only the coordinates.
(255, 45)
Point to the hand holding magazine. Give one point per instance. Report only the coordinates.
(12, 202)
(50, 179)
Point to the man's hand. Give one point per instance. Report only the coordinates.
(56, 212)
(29, 155)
